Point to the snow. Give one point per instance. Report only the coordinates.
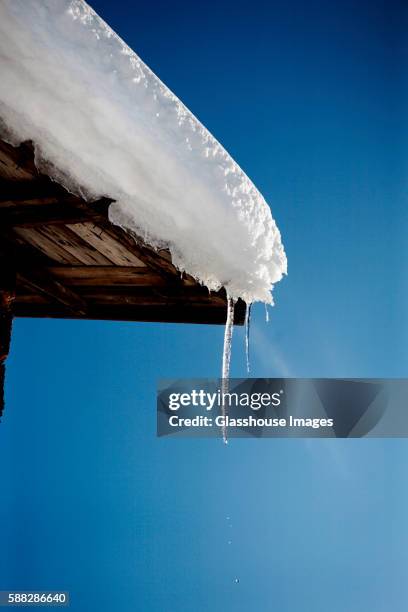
(104, 124)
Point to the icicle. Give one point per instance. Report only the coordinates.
(229, 326)
(226, 359)
(247, 326)
(266, 313)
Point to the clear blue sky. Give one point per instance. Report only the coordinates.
(310, 98)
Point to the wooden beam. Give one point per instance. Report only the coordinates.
(38, 280)
(7, 295)
(159, 261)
(138, 294)
(64, 238)
(26, 202)
(112, 276)
(17, 163)
(41, 188)
(17, 252)
(38, 212)
(44, 244)
(62, 245)
(112, 247)
(165, 313)
(145, 296)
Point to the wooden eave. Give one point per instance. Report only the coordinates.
(69, 261)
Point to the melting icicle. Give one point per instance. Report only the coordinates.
(229, 326)
(266, 313)
(226, 359)
(247, 326)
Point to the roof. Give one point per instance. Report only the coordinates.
(70, 261)
(103, 123)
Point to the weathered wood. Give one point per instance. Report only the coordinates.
(18, 252)
(61, 245)
(27, 203)
(102, 240)
(40, 188)
(149, 256)
(150, 295)
(212, 315)
(137, 294)
(74, 245)
(51, 211)
(160, 261)
(47, 246)
(109, 276)
(17, 163)
(7, 295)
(28, 295)
(39, 280)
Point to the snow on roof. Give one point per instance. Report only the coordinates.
(104, 123)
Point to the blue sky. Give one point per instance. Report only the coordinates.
(310, 99)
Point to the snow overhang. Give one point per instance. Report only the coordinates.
(104, 125)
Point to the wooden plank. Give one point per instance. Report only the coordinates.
(37, 238)
(19, 252)
(51, 211)
(40, 281)
(27, 202)
(105, 243)
(121, 295)
(158, 260)
(99, 276)
(17, 163)
(47, 215)
(148, 299)
(31, 298)
(39, 189)
(163, 292)
(155, 314)
(77, 247)
(63, 245)
(147, 254)
(118, 298)
(115, 300)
